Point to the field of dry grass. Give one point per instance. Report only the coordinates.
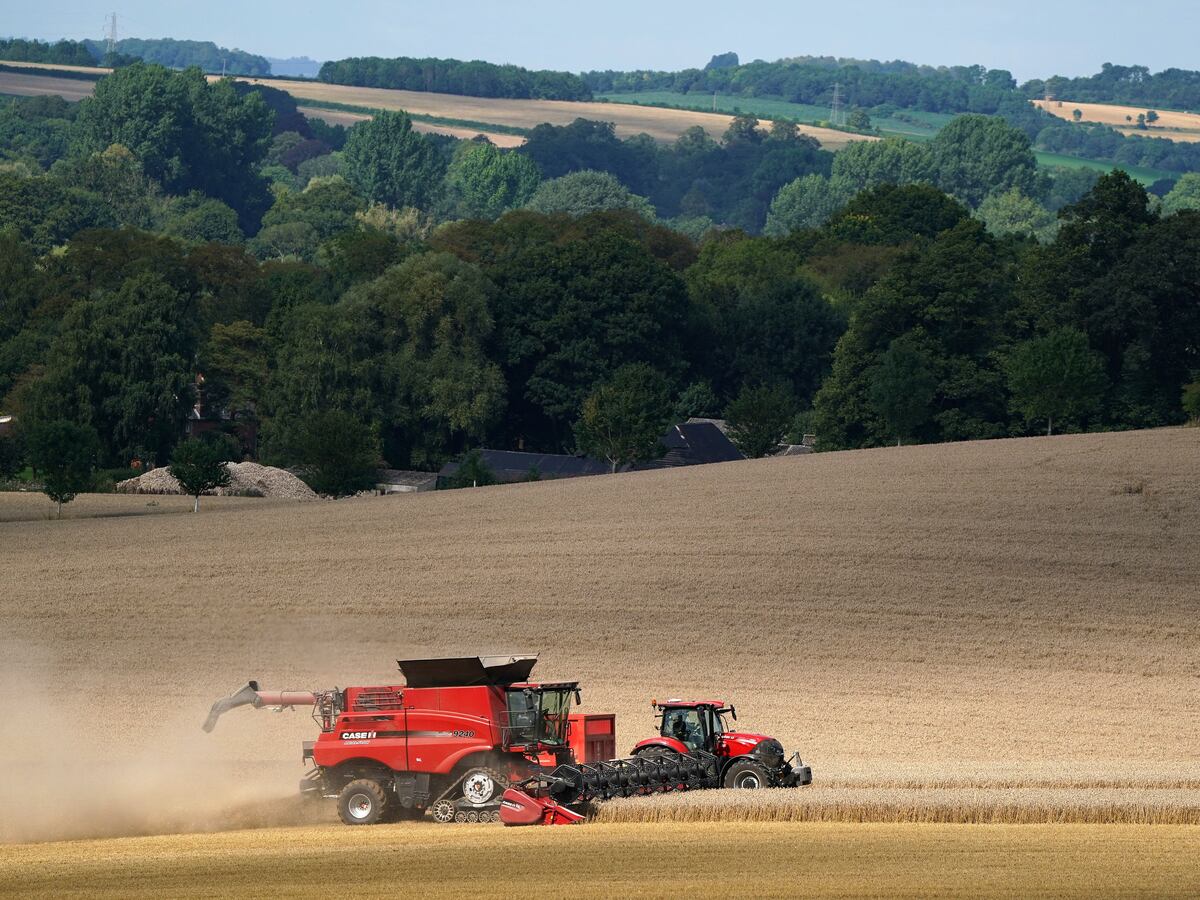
(343, 117)
(1178, 126)
(759, 860)
(22, 85)
(33, 506)
(1013, 614)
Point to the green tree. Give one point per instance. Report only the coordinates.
(902, 387)
(473, 472)
(1056, 376)
(1185, 194)
(584, 192)
(12, 454)
(122, 364)
(389, 162)
(199, 466)
(188, 134)
(1077, 115)
(974, 156)
(697, 400)
(759, 418)
(807, 202)
(340, 453)
(1191, 401)
(483, 182)
(201, 219)
(623, 419)
(864, 164)
(1151, 116)
(1014, 213)
(234, 363)
(63, 453)
(859, 120)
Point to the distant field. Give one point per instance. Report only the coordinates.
(925, 124)
(1139, 173)
(1171, 124)
(347, 118)
(661, 124)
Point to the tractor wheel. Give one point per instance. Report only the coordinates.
(747, 774)
(362, 802)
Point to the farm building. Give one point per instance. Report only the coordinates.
(400, 481)
(687, 444)
(694, 443)
(513, 465)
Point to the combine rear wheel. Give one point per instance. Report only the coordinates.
(362, 802)
(746, 774)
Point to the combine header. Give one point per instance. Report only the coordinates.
(473, 740)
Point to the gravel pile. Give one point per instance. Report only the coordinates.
(246, 479)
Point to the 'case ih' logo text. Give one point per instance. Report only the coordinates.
(357, 735)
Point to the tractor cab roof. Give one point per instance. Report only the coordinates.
(544, 685)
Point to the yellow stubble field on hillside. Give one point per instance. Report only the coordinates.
(985, 632)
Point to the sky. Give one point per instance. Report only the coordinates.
(1032, 40)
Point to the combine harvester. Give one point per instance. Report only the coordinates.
(473, 740)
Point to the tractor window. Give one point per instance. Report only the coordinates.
(684, 725)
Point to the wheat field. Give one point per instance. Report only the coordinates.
(978, 633)
(700, 860)
(1177, 126)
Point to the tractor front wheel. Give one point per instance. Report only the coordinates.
(746, 774)
(362, 802)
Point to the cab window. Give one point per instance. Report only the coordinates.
(684, 725)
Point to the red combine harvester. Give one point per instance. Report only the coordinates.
(473, 740)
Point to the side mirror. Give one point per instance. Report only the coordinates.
(578, 698)
(733, 712)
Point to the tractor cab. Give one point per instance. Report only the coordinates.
(697, 724)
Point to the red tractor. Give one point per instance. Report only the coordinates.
(473, 740)
(747, 760)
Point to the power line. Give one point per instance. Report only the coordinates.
(835, 110)
(110, 33)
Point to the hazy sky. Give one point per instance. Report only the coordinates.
(1068, 37)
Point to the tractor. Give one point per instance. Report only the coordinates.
(748, 760)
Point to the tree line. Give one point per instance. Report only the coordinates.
(175, 54)
(415, 297)
(474, 78)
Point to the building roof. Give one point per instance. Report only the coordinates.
(404, 477)
(549, 465)
(720, 424)
(694, 444)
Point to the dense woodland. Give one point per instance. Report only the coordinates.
(417, 296)
(168, 52)
(452, 76)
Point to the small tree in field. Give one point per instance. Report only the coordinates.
(199, 466)
(1077, 115)
(623, 420)
(759, 418)
(1056, 376)
(1151, 116)
(63, 454)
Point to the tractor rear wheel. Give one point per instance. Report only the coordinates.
(746, 774)
(362, 802)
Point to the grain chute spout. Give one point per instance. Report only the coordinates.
(250, 695)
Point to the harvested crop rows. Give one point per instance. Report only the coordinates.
(1177, 126)
(1016, 614)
